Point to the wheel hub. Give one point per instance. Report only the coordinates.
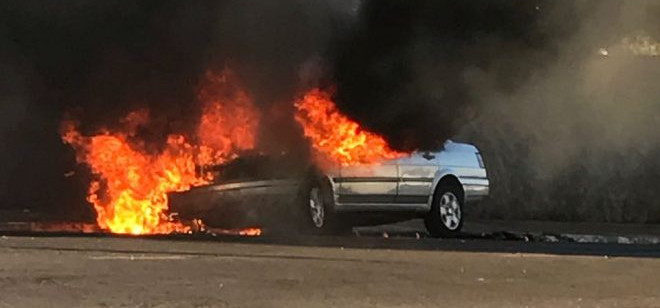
(316, 208)
(450, 211)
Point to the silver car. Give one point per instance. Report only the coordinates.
(430, 185)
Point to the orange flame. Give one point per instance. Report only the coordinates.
(229, 120)
(129, 192)
(250, 232)
(199, 226)
(335, 137)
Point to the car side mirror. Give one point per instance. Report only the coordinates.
(428, 155)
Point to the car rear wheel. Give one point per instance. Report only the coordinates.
(446, 216)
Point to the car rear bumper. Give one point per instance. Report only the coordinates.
(475, 188)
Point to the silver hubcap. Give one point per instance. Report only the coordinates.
(450, 210)
(316, 207)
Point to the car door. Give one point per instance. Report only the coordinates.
(368, 184)
(416, 173)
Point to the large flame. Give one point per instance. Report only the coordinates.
(336, 138)
(229, 120)
(129, 192)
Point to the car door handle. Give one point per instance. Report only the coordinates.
(428, 156)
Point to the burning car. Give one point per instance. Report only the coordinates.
(431, 185)
(345, 176)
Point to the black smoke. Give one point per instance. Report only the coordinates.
(408, 69)
(95, 61)
(416, 72)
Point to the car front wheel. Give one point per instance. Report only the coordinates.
(318, 216)
(446, 216)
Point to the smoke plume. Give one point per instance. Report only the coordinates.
(97, 61)
(579, 141)
(560, 96)
(408, 69)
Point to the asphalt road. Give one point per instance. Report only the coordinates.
(103, 271)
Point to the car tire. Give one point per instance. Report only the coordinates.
(446, 216)
(317, 209)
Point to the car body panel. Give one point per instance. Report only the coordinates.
(416, 173)
(375, 188)
(367, 183)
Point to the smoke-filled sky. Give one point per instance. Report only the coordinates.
(415, 62)
(527, 81)
(96, 61)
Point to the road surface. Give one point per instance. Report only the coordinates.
(104, 271)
